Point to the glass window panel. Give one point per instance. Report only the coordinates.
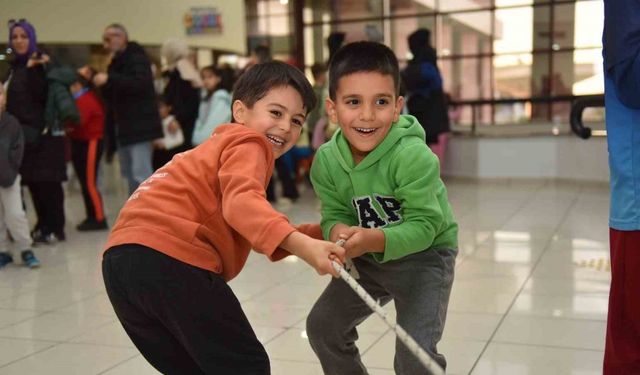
(402, 28)
(513, 30)
(467, 78)
(564, 25)
(578, 72)
(540, 85)
(406, 7)
(315, 44)
(541, 27)
(279, 25)
(316, 10)
(277, 7)
(465, 34)
(452, 5)
(354, 9)
(589, 22)
(506, 3)
(512, 76)
(356, 31)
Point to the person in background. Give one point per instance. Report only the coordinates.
(215, 105)
(164, 148)
(87, 148)
(319, 72)
(621, 52)
(182, 92)
(12, 215)
(43, 167)
(426, 99)
(132, 119)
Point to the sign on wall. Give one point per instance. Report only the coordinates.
(202, 20)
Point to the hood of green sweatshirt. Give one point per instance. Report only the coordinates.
(407, 126)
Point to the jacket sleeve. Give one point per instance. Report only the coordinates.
(416, 173)
(334, 208)
(243, 176)
(66, 106)
(133, 81)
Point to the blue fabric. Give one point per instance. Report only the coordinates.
(135, 163)
(621, 37)
(623, 137)
(430, 78)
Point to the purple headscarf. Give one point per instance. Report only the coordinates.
(33, 43)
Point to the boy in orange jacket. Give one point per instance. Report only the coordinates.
(188, 229)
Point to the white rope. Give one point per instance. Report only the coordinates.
(402, 335)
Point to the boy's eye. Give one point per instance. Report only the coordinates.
(276, 113)
(296, 122)
(353, 102)
(382, 101)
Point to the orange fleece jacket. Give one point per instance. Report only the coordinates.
(207, 207)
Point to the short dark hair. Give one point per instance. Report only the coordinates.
(256, 82)
(363, 57)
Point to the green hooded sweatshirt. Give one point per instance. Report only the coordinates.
(396, 188)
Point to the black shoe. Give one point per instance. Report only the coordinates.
(89, 225)
(46, 238)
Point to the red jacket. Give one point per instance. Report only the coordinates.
(91, 118)
(207, 206)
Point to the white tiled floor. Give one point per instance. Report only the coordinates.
(530, 295)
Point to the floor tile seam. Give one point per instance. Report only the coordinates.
(53, 345)
(522, 204)
(519, 343)
(506, 342)
(562, 318)
(513, 301)
(380, 337)
(25, 319)
(119, 363)
(68, 340)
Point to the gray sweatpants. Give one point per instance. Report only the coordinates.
(419, 284)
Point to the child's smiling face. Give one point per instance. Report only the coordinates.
(279, 115)
(365, 107)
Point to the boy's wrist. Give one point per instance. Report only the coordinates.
(375, 240)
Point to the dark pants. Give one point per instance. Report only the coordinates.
(48, 201)
(285, 175)
(622, 349)
(86, 159)
(183, 319)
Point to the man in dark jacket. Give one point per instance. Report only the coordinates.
(132, 114)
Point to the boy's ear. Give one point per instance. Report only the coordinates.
(239, 111)
(398, 108)
(331, 110)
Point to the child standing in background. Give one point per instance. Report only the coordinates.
(215, 107)
(12, 216)
(87, 148)
(165, 148)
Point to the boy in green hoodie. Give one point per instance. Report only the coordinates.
(380, 188)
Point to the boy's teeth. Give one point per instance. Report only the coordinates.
(275, 140)
(365, 130)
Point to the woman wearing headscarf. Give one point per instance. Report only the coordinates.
(43, 167)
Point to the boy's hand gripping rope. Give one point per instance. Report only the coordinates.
(402, 335)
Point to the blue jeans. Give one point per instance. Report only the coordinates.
(135, 163)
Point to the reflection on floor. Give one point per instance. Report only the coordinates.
(530, 294)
